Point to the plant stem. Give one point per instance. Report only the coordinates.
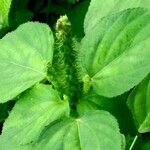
(133, 142)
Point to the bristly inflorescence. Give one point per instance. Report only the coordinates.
(63, 73)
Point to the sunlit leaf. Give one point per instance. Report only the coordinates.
(24, 55)
(34, 110)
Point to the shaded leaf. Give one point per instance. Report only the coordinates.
(139, 104)
(116, 106)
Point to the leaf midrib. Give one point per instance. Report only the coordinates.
(26, 67)
(109, 64)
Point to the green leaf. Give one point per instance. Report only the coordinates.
(139, 104)
(96, 130)
(102, 8)
(4, 12)
(92, 101)
(25, 54)
(4, 16)
(35, 109)
(117, 57)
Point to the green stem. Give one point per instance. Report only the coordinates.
(133, 143)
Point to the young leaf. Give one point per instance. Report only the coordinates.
(102, 8)
(35, 109)
(96, 130)
(24, 55)
(117, 57)
(139, 104)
